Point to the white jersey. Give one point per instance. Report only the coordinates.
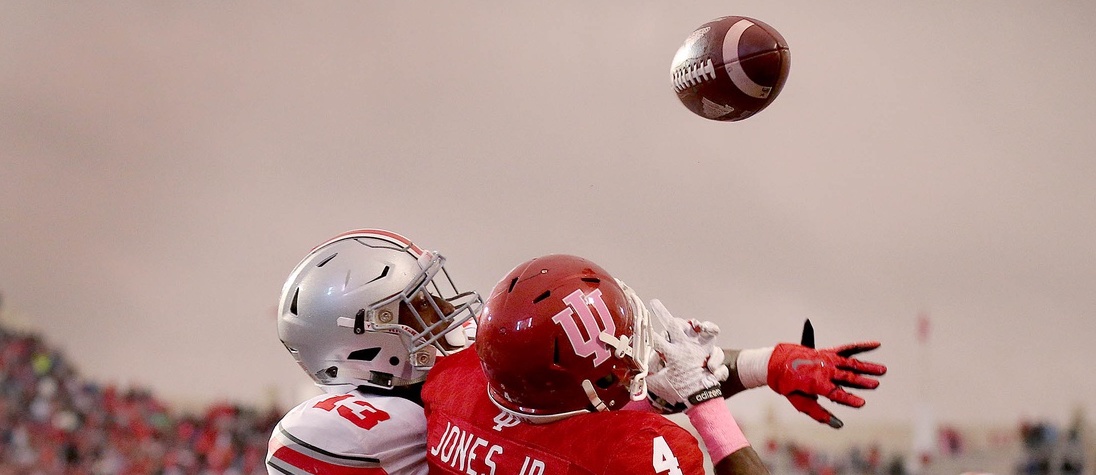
(353, 433)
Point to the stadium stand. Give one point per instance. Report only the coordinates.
(54, 422)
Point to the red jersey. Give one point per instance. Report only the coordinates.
(467, 434)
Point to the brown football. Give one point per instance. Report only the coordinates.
(730, 68)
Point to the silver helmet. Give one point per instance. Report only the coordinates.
(370, 308)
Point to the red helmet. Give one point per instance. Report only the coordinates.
(557, 337)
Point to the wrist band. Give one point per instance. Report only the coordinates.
(718, 429)
(753, 367)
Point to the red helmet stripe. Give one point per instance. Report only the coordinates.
(389, 235)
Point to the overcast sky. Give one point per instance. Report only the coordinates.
(164, 165)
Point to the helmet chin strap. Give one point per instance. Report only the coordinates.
(622, 346)
(593, 397)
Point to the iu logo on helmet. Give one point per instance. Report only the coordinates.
(593, 325)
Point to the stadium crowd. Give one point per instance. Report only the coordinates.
(52, 421)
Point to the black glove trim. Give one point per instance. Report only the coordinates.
(706, 395)
(663, 405)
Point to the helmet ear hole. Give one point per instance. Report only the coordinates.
(606, 381)
(364, 354)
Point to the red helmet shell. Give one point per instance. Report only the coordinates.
(538, 337)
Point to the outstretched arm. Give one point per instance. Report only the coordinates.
(799, 372)
(802, 373)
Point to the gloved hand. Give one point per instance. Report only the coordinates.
(691, 365)
(802, 373)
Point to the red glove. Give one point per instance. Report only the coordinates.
(802, 373)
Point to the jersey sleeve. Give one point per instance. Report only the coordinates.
(662, 450)
(349, 434)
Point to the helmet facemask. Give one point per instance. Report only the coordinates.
(636, 350)
(428, 317)
(443, 313)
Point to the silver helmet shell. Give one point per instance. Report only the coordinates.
(339, 314)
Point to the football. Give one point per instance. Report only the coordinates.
(730, 68)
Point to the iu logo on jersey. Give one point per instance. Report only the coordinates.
(594, 325)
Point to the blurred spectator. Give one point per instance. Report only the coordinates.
(951, 441)
(1047, 450)
(53, 422)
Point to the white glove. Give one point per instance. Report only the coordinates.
(691, 364)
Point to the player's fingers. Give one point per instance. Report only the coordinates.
(846, 398)
(855, 348)
(715, 365)
(703, 328)
(809, 405)
(853, 380)
(664, 350)
(661, 344)
(674, 326)
(861, 367)
(714, 361)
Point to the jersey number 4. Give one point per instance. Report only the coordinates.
(361, 413)
(663, 459)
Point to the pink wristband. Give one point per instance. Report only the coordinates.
(716, 425)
